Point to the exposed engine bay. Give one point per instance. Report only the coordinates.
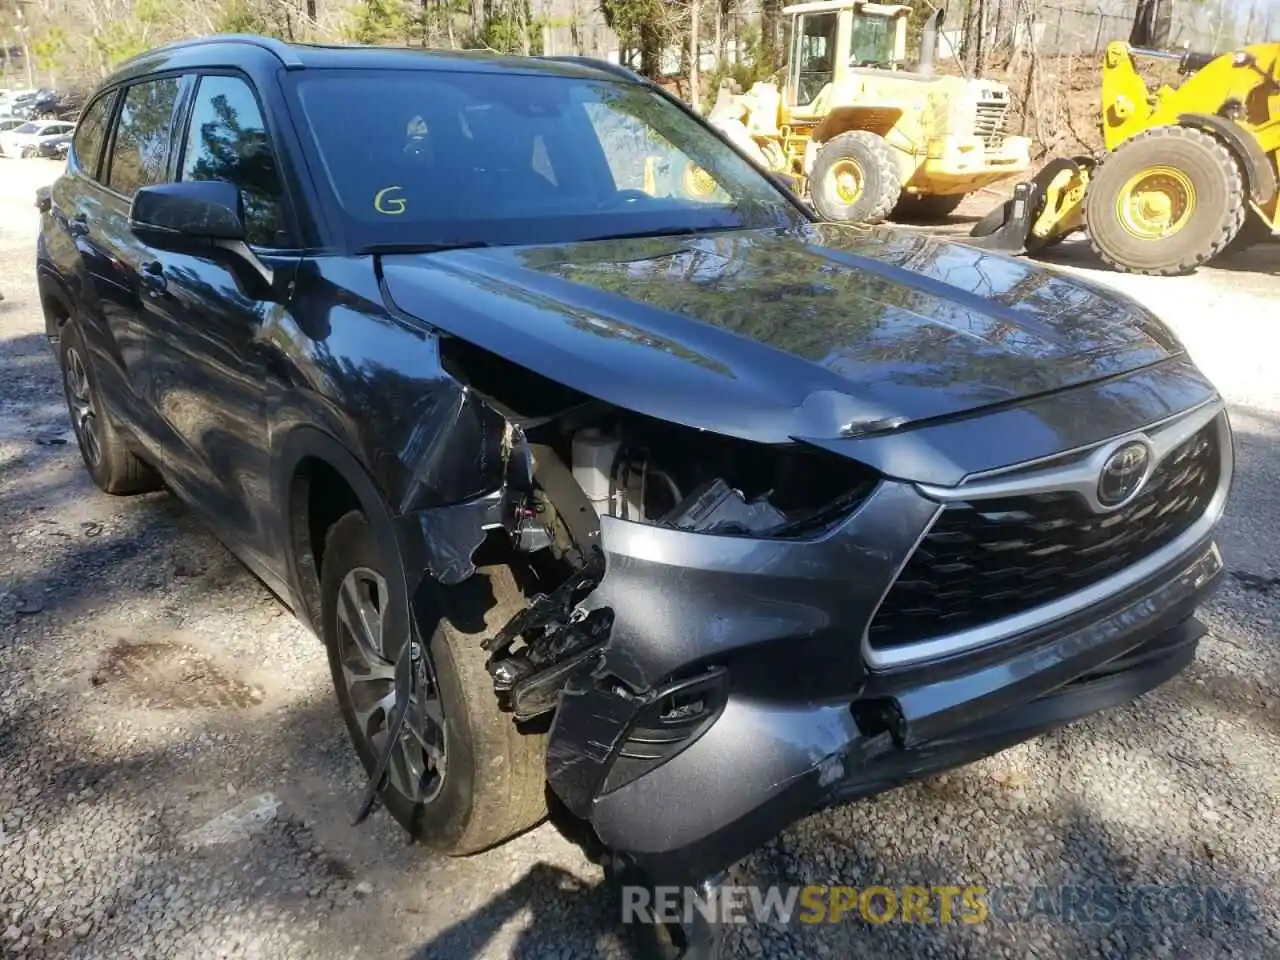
(590, 461)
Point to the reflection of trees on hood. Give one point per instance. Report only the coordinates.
(899, 310)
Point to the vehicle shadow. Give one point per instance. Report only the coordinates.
(557, 903)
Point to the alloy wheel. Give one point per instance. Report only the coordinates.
(368, 654)
(84, 417)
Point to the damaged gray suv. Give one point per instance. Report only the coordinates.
(617, 486)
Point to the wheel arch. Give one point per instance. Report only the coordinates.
(1260, 178)
(302, 455)
(55, 303)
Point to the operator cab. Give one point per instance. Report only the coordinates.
(830, 38)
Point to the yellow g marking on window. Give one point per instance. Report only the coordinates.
(391, 206)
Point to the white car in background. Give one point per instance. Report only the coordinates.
(25, 140)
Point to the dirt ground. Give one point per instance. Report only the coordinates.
(175, 780)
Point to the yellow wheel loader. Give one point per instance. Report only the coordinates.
(862, 135)
(1190, 171)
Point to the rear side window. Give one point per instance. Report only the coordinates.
(141, 144)
(227, 140)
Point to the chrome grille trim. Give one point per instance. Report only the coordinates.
(1165, 438)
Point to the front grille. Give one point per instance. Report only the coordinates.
(989, 122)
(984, 560)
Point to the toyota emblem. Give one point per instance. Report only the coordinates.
(1123, 474)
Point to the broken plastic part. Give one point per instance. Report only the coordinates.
(539, 693)
(532, 536)
(451, 535)
(715, 507)
(544, 609)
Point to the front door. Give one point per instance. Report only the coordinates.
(813, 61)
(209, 321)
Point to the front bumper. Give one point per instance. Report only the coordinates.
(764, 638)
(764, 763)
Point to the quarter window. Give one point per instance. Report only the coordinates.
(227, 140)
(141, 146)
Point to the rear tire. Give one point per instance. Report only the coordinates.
(914, 208)
(1164, 202)
(492, 784)
(113, 467)
(855, 178)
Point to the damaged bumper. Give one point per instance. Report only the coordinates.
(736, 694)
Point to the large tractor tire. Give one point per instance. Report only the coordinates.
(1165, 202)
(855, 178)
(914, 208)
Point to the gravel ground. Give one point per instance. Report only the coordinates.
(175, 780)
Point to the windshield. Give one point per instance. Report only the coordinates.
(873, 43)
(29, 128)
(416, 157)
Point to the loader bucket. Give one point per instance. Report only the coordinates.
(1042, 211)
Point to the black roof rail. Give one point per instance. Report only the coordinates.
(281, 50)
(617, 69)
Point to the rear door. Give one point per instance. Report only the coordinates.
(122, 144)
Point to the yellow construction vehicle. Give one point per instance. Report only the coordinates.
(1189, 171)
(862, 134)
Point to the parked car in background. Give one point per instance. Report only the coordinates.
(20, 106)
(670, 511)
(48, 104)
(10, 99)
(53, 148)
(10, 123)
(26, 140)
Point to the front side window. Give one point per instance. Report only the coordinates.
(419, 157)
(227, 140)
(141, 145)
(874, 41)
(815, 54)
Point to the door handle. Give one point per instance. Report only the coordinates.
(151, 277)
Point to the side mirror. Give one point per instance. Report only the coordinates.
(194, 212)
(206, 215)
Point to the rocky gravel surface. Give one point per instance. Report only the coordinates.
(175, 780)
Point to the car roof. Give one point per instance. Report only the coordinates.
(246, 51)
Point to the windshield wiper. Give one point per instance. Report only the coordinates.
(410, 247)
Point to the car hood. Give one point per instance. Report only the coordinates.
(820, 331)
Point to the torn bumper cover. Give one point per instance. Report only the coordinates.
(755, 708)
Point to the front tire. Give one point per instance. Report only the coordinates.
(1164, 202)
(855, 178)
(466, 778)
(113, 467)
